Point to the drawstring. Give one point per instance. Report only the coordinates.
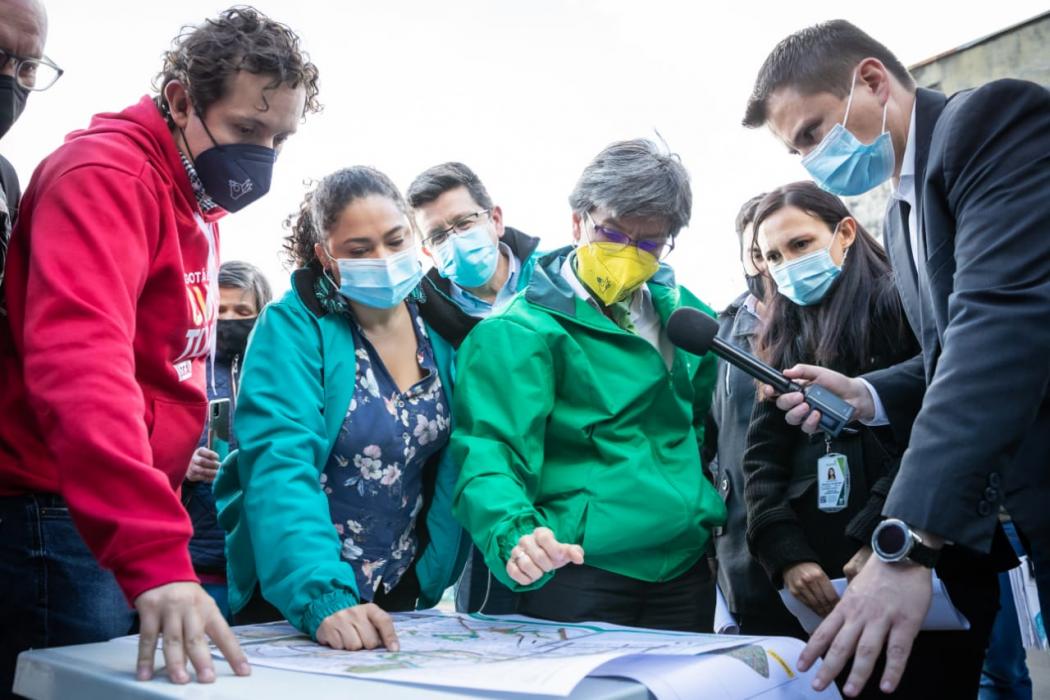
(212, 305)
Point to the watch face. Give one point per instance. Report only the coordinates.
(892, 540)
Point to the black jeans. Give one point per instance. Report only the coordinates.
(584, 593)
(52, 591)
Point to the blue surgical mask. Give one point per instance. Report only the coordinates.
(381, 283)
(843, 165)
(806, 280)
(469, 259)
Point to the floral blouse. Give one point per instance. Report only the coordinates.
(374, 475)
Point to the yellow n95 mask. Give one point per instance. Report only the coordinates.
(612, 271)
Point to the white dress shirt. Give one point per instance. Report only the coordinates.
(905, 192)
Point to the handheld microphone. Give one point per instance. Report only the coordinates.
(696, 332)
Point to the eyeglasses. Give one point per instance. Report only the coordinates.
(461, 225)
(659, 248)
(32, 73)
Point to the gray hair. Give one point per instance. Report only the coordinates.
(243, 275)
(636, 178)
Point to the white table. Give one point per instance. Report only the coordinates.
(105, 671)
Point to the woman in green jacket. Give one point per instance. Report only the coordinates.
(337, 507)
(579, 425)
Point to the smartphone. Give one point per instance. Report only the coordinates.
(219, 426)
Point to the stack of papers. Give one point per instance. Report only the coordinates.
(1026, 600)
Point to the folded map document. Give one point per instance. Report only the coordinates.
(513, 654)
(1026, 601)
(943, 616)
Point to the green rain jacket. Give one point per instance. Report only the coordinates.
(565, 421)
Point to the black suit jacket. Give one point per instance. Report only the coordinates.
(980, 305)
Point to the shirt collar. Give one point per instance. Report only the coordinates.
(906, 187)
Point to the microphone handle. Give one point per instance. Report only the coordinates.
(753, 366)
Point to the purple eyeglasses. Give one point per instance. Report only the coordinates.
(657, 247)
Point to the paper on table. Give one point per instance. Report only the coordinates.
(943, 615)
(764, 668)
(480, 652)
(725, 623)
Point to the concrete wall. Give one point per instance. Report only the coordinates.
(1020, 52)
(1023, 52)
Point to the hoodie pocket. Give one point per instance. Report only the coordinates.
(174, 429)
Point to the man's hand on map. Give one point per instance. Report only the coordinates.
(365, 626)
(538, 553)
(884, 606)
(187, 616)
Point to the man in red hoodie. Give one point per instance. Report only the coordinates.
(111, 292)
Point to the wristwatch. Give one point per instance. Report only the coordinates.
(894, 541)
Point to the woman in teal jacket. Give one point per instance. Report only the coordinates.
(337, 507)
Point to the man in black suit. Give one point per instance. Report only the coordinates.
(968, 232)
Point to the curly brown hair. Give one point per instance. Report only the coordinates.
(205, 56)
(326, 201)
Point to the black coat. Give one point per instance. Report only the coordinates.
(10, 194)
(980, 305)
(444, 315)
(743, 582)
(784, 525)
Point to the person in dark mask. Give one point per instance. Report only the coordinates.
(243, 292)
(23, 69)
(112, 293)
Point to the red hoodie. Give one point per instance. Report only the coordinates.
(109, 321)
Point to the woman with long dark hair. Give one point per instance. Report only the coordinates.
(813, 503)
(835, 306)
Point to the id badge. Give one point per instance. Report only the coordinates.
(832, 482)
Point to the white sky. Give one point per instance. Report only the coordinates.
(525, 93)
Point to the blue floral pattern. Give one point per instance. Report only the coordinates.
(374, 476)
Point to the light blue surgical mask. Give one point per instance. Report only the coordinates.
(381, 283)
(469, 259)
(843, 165)
(806, 280)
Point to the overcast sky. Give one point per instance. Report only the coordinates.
(525, 93)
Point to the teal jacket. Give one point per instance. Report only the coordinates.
(566, 421)
(296, 387)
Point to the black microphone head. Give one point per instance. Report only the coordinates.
(692, 330)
